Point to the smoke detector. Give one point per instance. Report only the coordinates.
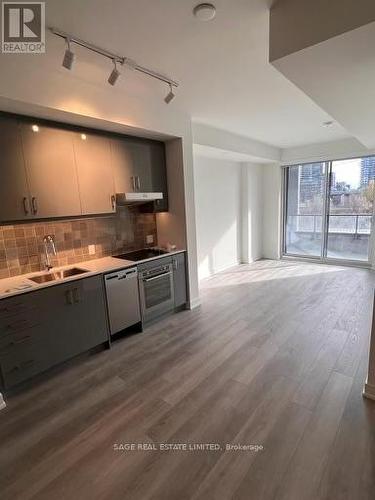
(205, 11)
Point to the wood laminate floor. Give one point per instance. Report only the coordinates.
(275, 357)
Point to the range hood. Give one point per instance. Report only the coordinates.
(137, 198)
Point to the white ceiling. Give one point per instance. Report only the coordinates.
(226, 80)
(226, 154)
(339, 74)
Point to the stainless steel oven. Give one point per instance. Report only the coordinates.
(156, 290)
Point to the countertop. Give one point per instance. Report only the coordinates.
(18, 285)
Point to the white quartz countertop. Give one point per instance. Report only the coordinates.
(23, 284)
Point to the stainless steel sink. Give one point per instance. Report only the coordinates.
(58, 275)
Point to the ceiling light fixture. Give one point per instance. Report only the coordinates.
(168, 98)
(328, 124)
(115, 58)
(114, 76)
(69, 56)
(204, 11)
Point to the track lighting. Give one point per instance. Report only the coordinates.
(170, 95)
(113, 77)
(69, 56)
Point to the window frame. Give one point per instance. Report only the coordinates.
(323, 258)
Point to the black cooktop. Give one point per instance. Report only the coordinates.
(144, 253)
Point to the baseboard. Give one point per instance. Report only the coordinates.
(369, 391)
(192, 304)
(251, 261)
(2, 402)
(220, 269)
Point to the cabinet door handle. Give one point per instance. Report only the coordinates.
(34, 204)
(26, 364)
(22, 366)
(69, 297)
(175, 264)
(26, 205)
(17, 324)
(76, 295)
(22, 340)
(138, 183)
(15, 342)
(113, 202)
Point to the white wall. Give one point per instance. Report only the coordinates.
(229, 215)
(218, 214)
(271, 208)
(252, 212)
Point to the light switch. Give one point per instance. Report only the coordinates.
(149, 239)
(91, 249)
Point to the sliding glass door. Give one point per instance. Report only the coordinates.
(306, 185)
(328, 209)
(350, 209)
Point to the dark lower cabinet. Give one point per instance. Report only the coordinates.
(43, 328)
(179, 279)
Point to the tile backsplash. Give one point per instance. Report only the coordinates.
(22, 249)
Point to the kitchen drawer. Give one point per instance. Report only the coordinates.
(12, 342)
(26, 362)
(37, 353)
(16, 324)
(18, 313)
(33, 351)
(16, 306)
(163, 261)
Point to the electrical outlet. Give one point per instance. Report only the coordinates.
(92, 249)
(149, 239)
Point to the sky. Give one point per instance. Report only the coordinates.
(348, 171)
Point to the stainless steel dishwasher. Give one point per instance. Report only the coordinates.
(122, 299)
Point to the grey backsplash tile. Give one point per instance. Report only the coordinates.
(22, 250)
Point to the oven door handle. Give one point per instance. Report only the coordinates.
(146, 280)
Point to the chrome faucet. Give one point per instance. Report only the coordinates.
(49, 248)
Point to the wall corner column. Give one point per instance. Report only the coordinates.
(369, 389)
(245, 235)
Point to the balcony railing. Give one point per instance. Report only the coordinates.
(356, 224)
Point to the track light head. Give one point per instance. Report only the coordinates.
(115, 74)
(69, 56)
(168, 98)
